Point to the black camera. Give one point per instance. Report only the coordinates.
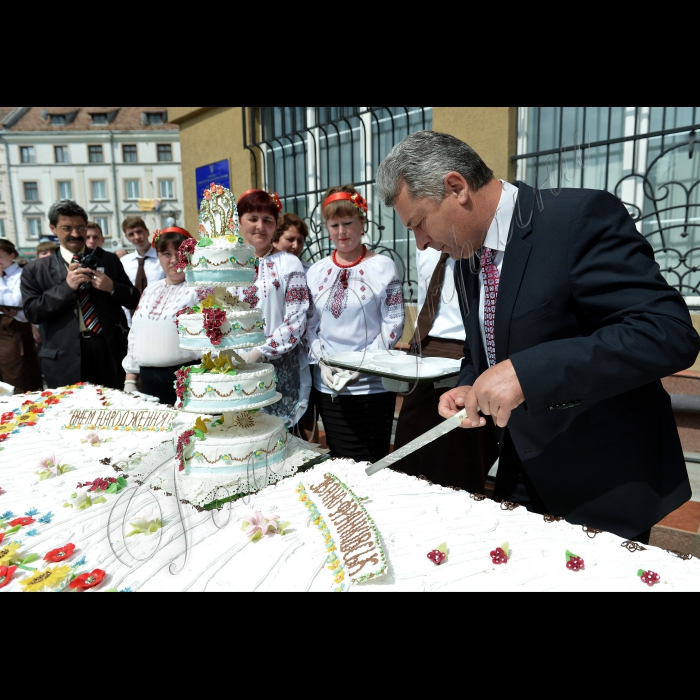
(91, 261)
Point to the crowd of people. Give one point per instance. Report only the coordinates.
(80, 313)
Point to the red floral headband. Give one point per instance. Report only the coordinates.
(170, 229)
(273, 196)
(357, 199)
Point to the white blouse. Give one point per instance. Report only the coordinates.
(10, 294)
(280, 292)
(354, 309)
(153, 338)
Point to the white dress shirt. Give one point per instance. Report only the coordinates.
(10, 294)
(448, 320)
(496, 239)
(151, 266)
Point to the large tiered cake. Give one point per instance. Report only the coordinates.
(242, 440)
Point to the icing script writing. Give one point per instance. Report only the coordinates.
(357, 538)
(143, 419)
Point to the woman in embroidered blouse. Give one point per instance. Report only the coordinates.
(357, 304)
(280, 292)
(19, 364)
(154, 345)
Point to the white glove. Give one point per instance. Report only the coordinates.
(328, 374)
(344, 379)
(130, 386)
(252, 356)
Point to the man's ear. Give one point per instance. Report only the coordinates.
(456, 185)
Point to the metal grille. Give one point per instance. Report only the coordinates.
(646, 156)
(301, 151)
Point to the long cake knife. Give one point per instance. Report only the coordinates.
(427, 437)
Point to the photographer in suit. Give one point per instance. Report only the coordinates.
(76, 295)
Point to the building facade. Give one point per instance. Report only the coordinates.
(113, 161)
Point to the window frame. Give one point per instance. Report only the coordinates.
(104, 226)
(102, 153)
(24, 192)
(136, 152)
(32, 161)
(125, 189)
(101, 115)
(92, 191)
(36, 236)
(160, 194)
(169, 146)
(57, 123)
(63, 149)
(62, 182)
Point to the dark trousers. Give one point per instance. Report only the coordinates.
(514, 485)
(97, 364)
(19, 364)
(160, 382)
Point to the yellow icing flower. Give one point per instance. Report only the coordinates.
(201, 424)
(222, 364)
(7, 553)
(207, 362)
(339, 577)
(46, 578)
(208, 302)
(303, 497)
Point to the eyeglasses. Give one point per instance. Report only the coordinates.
(77, 229)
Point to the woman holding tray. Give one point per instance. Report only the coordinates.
(357, 305)
(280, 292)
(154, 349)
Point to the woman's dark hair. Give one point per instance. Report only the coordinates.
(8, 247)
(65, 207)
(285, 222)
(257, 201)
(165, 239)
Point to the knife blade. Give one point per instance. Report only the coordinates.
(445, 427)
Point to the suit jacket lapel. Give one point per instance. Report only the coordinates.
(514, 263)
(58, 267)
(470, 275)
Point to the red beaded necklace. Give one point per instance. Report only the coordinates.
(352, 264)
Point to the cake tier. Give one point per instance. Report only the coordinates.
(242, 328)
(245, 441)
(221, 262)
(212, 392)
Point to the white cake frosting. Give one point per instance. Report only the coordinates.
(208, 550)
(215, 393)
(245, 441)
(243, 328)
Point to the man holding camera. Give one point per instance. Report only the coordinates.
(76, 296)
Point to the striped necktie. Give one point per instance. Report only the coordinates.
(92, 323)
(491, 277)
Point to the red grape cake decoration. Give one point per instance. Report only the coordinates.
(500, 554)
(648, 577)
(439, 554)
(574, 562)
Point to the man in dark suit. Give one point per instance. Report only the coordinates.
(569, 329)
(77, 303)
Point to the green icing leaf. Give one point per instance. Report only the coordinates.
(85, 504)
(443, 548)
(198, 370)
(111, 590)
(29, 559)
(13, 529)
(640, 572)
(570, 555)
(505, 547)
(282, 527)
(231, 372)
(121, 481)
(113, 488)
(199, 434)
(204, 242)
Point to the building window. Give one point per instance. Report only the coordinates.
(165, 152)
(33, 226)
(129, 153)
(99, 189)
(61, 154)
(31, 192)
(155, 118)
(99, 119)
(166, 189)
(58, 120)
(2, 228)
(133, 189)
(95, 154)
(26, 154)
(65, 189)
(103, 223)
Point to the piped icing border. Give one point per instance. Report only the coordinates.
(355, 553)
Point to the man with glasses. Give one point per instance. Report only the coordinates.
(76, 296)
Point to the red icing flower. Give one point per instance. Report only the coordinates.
(181, 377)
(436, 556)
(60, 553)
(8, 416)
(27, 403)
(47, 393)
(2, 537)
(85, 581)
(184, 253)
(6, 574)
(182, 442)
(213, 318)
(4, 436)
(34, 409)
(29, 422)
(52, 400)
(21, 521)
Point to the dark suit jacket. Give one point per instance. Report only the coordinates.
(50, 303)
(590, 326)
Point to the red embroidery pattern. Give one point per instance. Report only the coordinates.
(296, 294)
(340, 294)
(491, 278)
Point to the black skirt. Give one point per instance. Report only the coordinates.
(358, 427)
(160, 382)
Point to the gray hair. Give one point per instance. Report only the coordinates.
(65, 207)
(421, 161)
